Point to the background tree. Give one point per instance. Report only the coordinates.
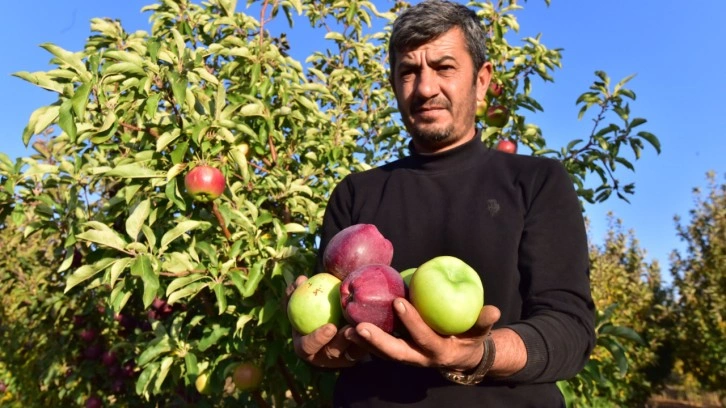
(186, 290)
(699, 279)
(632, 315)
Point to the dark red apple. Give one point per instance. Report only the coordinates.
(355, 246)
(88, 335)
(495, 89)
(367, 295)
(3, 387)
(507, 146)
(94, 402)
(247, 376)
(497, 116)
(108, 358)
(204, 183)
(93, 351)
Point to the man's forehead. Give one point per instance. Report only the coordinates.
(447, 45)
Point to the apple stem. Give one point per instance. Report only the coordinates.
(290, 382)
(220, 219)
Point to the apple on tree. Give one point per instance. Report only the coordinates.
(507, 146)
(314, 303)
(355, 246)
(204, 183)
(247, 376)
(495, 89)
(448, 294)
(497, 116)
(367, 295)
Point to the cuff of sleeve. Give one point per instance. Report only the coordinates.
(537, 354)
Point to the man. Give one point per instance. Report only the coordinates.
(515, 219)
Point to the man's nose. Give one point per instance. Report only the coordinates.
(427, 85)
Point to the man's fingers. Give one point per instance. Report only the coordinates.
(487, 317)
(419, 331)
(312, 343)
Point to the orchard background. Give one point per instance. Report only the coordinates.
(117, 288)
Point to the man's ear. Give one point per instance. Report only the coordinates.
(483, 77)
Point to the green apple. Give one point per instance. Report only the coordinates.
(448, 294)
(315, 303)
(406, 275)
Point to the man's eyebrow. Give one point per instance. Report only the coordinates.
(438, 61)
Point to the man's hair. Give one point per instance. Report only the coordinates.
(432, 18)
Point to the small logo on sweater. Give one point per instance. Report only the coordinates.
(492, 206)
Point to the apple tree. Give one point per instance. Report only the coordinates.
(699, 280)
(184, 284)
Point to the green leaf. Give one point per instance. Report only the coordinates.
(117, 269)
(66, 121)
(622, 332)
(142, 267)
(142, 383)
(182, 282)
(80, 99)
(74, 61)
(137, 218)
(39, 120)
(190, 360)
(127, 68)
(86, 272)
(212, 338)
(162, 346)
(179, 87)
(189, 290)
(164, 370)
(221, 297)
(133, 170)
(102, 234)
(181, 229)
(650, 138)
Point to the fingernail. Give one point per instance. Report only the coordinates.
(399, 306)
(364, 333)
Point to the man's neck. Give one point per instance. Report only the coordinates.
(438, 148)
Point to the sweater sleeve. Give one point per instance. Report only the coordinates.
(558, 318)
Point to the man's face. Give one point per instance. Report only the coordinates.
(437, 92)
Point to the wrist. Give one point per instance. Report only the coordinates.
(477, 374)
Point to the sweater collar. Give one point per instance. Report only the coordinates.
(458, 157)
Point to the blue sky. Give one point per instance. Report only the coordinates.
(675, 49)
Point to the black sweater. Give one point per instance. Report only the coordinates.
(518, 222)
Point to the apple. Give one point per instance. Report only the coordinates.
(108, 358)
(94, 402)
(247, 376)
(314, 303)
(448, 294)
(204, 183)
(481, 108)
(495, 89)
(497, 116)
(367, 295)
(3, 387)
(202, 383)
(507, 146)
(406, 274)
(355, 246)
(88, 335)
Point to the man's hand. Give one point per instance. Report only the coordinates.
(423, 346)
(325, 347)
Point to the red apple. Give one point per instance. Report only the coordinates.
(355, 246)
(94, 402)
(247, 376)
(88, 335)
(495, 89)
(108, 358)
(497, 116)
(507, 146)
(367, 295)
(204, 183)
(3, 387)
